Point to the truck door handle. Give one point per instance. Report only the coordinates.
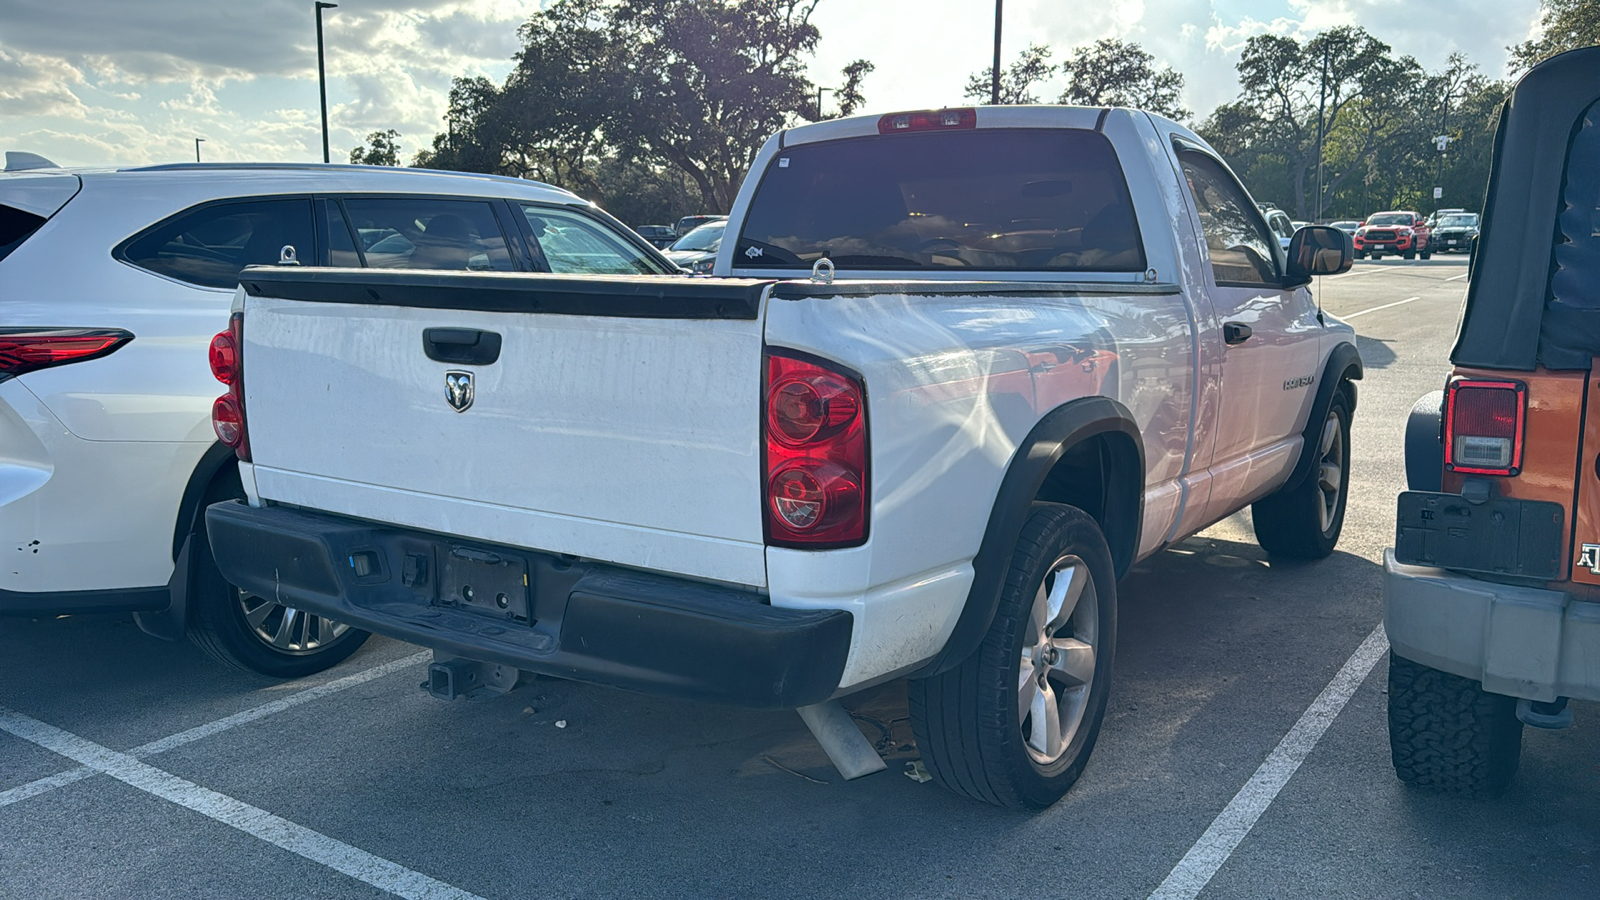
(461, 346)
(1235, 332)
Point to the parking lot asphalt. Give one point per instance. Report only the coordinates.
(170, 776)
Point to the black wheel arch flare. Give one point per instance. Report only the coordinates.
(1065, 427)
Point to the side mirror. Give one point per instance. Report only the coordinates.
(1318, 250)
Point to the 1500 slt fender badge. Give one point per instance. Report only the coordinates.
(458, 390)
(1302, 381)
(1589, 557)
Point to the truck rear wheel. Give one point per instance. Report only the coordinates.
(1304, 523)
(1015, 723)
(1446, 733)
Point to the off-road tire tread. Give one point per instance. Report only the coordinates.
(964, 743)
(1447, 734)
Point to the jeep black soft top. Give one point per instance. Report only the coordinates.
(1533, 302)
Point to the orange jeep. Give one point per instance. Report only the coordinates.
(1492, 590)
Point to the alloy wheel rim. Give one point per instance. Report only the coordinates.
(287, 629)
(1057, 665)
(1330, 471)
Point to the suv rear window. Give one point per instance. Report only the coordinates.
(1571, 328)
(982, 200)
(209, 245)
(16, 226)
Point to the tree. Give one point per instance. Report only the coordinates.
(1016, 83)
(850, 96)
(381, 150)
(1110, 72)
(1564, 25)
(695, 85)
(1293, 95)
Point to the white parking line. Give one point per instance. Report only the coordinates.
(1376, 308)
(277, 831)
(172, 742)
(1458, 277)
(1192, 873)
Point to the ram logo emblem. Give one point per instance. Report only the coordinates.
(458, 390)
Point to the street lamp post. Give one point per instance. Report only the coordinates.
(994, 74)
(197, 143)
(819, 99)
(322, 76)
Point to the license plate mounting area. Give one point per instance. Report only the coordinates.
(486, 581)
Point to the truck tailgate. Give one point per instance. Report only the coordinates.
(619, 420)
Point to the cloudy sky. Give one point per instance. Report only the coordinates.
(88, 82)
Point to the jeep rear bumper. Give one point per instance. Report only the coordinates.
(579, 620)
(1532, 643)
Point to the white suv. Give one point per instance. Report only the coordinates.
(112, 284)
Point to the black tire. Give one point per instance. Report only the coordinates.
(217, 622)
(1377, 256)
(968, 721)
(1426, 254)
(1361, 254)
(1448, 734)
(1411, 254)
(1297, 523)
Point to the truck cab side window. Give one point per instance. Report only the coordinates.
(208, 246)
(1241, 248)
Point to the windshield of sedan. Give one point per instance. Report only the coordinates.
(987, 199)
(1390, 219)
(1458, 222)
(707, 238)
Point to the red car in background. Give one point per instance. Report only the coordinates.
(1405, 233)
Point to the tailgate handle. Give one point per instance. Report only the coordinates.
(462, 346)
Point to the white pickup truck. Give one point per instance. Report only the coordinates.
(1055, 341)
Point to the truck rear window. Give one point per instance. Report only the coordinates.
(982, 200)
(16, 226)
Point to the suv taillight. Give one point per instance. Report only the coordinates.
(815, 431)
(227, 364)
(1483, 426)
(24, 350)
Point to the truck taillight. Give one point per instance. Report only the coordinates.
(227, 365)
(24, 350)
(1483, 426)
(815, 432)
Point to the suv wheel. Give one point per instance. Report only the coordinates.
(1304, 523)
(255, 633)
(1015, 723)
(1446, 733)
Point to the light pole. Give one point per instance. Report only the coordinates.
(819, 99)
(197, 143)
(322, 76)
(994, 80)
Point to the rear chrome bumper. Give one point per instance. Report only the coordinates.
(1525, 642)
(585, 621)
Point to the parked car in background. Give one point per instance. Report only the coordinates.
(697, 250)
(780, 486)
(1492, 589)
(690, 223)
(112, 284)
(1282, 228)
(1348, 226)
(1297, 225)
(659, 236)
(1454, 231)
(1403, 233)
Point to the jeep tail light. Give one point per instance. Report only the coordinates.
(928, 120)
(24, 350)
(227, 364)
(1483, 426)
(814, 428)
